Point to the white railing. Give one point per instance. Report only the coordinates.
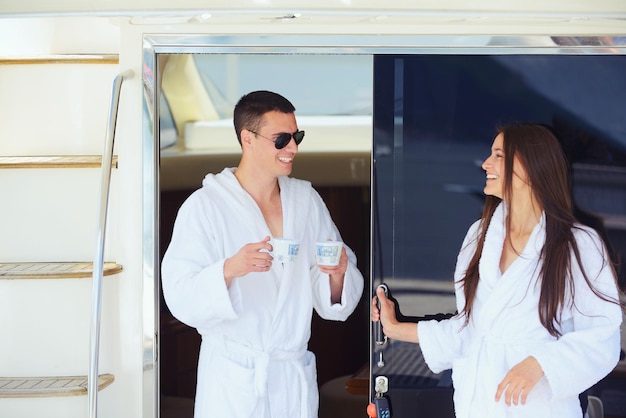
(98, 264)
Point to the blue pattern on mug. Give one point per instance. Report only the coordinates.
(293, 249)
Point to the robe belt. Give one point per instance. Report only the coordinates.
(262, 361)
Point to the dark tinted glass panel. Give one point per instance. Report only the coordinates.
(434, 122)
(435, 119)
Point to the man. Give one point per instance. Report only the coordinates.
(218, 276)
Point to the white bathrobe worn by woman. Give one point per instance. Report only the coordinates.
(505, 329)
(253, 360)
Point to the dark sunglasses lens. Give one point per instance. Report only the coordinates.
(298, 136)
(282, 140)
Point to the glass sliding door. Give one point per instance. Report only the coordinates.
(434, 121)
(429, 124)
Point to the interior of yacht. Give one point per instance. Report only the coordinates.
(113, 112)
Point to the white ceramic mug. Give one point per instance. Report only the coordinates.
(285, 250)
(328, 253)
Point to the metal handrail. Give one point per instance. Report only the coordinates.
(98, 264)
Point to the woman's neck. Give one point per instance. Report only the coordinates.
(524, 215)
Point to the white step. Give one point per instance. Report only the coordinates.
(50, 214)
(46, 317)
(73, 406)
(57, 105)
(44, 358)
(49, 387)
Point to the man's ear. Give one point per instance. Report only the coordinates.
(246, 137)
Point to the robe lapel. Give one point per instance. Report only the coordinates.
(242, 203)
(498, 290)
(295, 200)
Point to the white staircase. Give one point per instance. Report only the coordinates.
(53, 114)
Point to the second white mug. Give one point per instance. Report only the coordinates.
(328, 253)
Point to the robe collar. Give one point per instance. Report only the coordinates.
(497, 290)
(489, 264)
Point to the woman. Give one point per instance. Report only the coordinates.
(539, 313)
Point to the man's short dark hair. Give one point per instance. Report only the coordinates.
(251, 107)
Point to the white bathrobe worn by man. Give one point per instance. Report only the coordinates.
(505, 329)
(254, 360)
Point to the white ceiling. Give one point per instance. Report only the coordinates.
(581, 8)
(377, 17)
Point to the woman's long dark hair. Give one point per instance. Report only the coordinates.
(540, 153)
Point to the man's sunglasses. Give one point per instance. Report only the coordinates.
(283, 139)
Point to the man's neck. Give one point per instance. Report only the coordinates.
(261, 189)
